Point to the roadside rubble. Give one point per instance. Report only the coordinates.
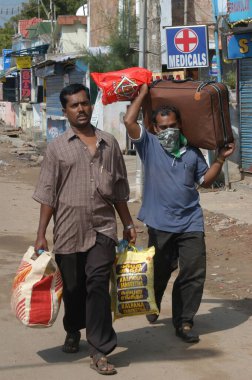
(229, 257)
(23, 150)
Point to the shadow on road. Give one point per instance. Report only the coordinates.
(158, 342)
(56, 355)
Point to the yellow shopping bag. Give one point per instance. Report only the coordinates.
(132, 291)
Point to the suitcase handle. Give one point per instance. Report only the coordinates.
(182, 80)
(155, 82)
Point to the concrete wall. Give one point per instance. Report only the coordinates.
(8, 114)
(109, 118)
(199, 13)
(73, 38)
(102, 15)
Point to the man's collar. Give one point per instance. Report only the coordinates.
(70, 135)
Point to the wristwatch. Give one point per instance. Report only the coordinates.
(128, 227)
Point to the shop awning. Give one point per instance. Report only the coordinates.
(33, 51)
(6, 73)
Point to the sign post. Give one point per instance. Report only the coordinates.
(187, 46)
(25, 85)
(6, 59)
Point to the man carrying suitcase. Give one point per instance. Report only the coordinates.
(171, 209)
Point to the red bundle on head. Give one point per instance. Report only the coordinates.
(121, 85)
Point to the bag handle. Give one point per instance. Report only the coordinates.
(124, 246)
(155, 82)
(182, 80)
(132, 248)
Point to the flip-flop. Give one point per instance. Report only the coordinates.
(71, 344)
(100, 364)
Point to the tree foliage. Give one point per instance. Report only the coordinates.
(31, 9)
(6, 34)
(121, 53)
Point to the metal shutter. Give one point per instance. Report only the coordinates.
(245, 90)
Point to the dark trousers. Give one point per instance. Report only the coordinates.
(86, 295)
(188, 249)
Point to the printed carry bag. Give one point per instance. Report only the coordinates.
(132, 291)
(37, 290)
(122, 84)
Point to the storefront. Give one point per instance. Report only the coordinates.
(239, 47)
(57, 75)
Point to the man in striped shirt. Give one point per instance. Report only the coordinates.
(83, 180)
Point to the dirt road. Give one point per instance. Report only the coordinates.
(144, 352)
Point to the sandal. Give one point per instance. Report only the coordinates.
(71, 344)
(100, 363)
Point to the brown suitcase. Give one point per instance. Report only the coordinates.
(204, 108)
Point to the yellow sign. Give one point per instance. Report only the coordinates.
(23, 62)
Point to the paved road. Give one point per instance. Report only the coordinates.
(144, 351)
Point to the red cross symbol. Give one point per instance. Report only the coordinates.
(186, 40)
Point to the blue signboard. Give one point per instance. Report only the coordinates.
(239, 10)
(239, 46)
(187, 46)
(6, 60)
(213, 69)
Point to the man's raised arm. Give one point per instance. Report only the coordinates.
(130, 118)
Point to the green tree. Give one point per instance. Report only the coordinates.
(121, 53)
(62, 7)
(6, 34)
(32, 9)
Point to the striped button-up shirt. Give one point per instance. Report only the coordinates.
(82, 189)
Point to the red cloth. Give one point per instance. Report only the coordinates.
(122, 84)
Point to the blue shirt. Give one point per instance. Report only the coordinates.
(170, 198)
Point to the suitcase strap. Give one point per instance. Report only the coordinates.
(221, 107)
(200, 87)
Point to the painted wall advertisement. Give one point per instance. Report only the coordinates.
(187, 46)
(55, 127)
(239, 10)
(25, 84)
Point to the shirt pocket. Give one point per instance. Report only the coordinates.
(105, 186)
(189, 171)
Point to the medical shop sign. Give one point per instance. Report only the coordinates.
(25, 85)
(187, 46)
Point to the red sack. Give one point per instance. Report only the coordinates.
(121, 85)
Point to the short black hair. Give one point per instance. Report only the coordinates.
(71, 89)
(164, 111)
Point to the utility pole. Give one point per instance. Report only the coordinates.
(185, 12)
(141, 63)
(52, 26)
(219, 76)
(142, 33)
(154, 63)
(185, 22)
